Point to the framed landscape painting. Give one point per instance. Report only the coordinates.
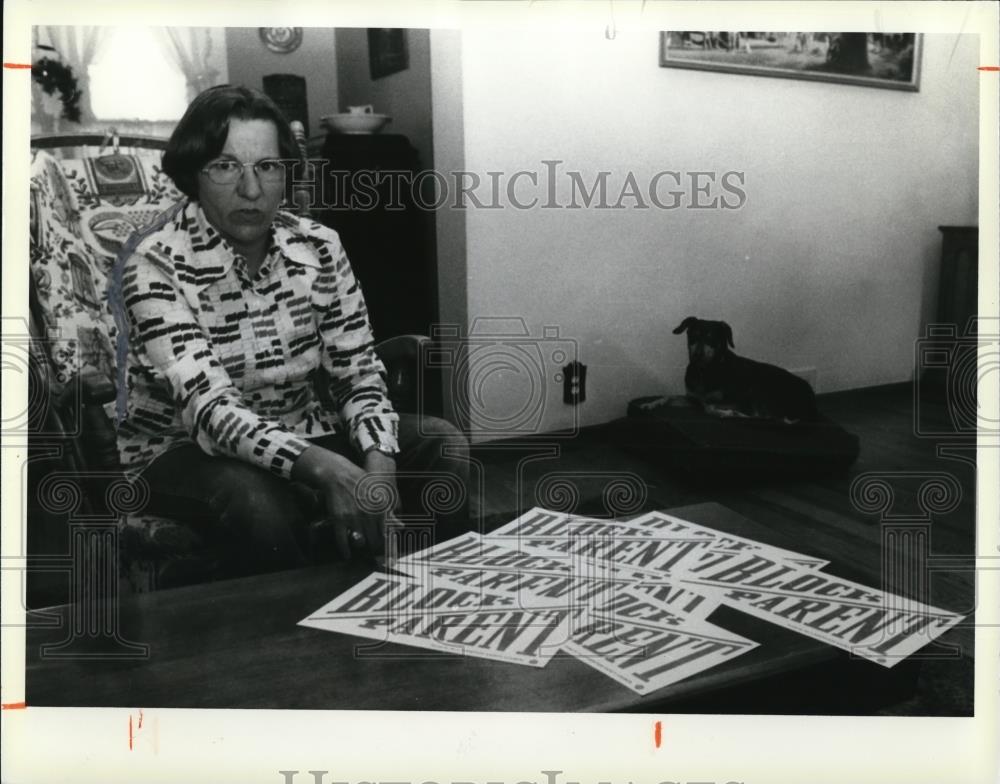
(888, 60)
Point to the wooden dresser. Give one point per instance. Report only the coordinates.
(387, 235)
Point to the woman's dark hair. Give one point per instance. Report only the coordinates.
(201, 133)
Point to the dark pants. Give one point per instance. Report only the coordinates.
(264, 522)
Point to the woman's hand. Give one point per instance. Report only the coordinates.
(384, 467)
(336, 478)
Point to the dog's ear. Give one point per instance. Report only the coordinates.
(728, 332)
(685, 324)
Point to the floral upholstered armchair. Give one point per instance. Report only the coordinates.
(84, 206)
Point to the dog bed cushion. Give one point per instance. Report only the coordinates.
(689, 439)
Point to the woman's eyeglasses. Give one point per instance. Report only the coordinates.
(228, 172)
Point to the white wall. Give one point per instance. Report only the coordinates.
(831, 264)
(250, 61)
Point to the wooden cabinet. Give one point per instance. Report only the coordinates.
(958, 295)
(947, 355)
(368, 198)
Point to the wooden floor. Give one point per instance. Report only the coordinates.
(585, 475)
(929, 482)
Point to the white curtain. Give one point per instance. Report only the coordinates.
(77, 47)
(191, 50)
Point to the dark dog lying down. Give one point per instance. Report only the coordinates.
(726, 384)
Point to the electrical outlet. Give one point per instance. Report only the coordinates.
(574, 383)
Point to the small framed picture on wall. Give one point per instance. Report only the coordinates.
(387, 51)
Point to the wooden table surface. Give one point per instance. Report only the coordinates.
(235, 644)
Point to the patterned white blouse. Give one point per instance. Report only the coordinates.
(232, 362)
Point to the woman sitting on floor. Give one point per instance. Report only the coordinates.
(233, 310)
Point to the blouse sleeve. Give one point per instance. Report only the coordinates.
(357, 375)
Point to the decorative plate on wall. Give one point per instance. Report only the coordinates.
(281, 39)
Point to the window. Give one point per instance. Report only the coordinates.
(134, 77)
